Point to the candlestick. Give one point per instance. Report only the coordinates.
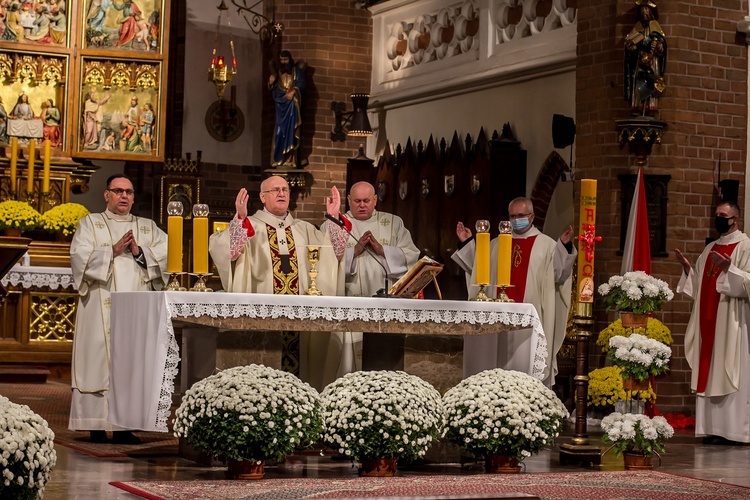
(586, 237)
(482, 258)
(30, 173)
(200, 239)
(504, 245)
(13, 167)
(45, 172)
(174, 237)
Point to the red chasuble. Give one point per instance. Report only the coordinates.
(519, 267)
(709, 304)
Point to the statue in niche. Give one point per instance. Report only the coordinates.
(645, 61)
(287, 86)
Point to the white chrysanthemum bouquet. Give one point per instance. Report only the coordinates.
(381, 414)
(249, 413)
(636, 433)
(27, 452)
(639, 356)
(635, 291)
(503, 412)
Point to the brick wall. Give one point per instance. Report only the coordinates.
(335, 40)
(705, 108)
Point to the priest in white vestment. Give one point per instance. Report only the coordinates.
(384, 244)
(267, 253)
(716, 339)
(541, 272)
(113, 251)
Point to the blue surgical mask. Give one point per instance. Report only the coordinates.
(521, 224)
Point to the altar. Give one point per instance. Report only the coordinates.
(145, 355)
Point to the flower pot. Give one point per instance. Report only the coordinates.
(63, 238)
(631, 384)
(378, 467)
(245, 469)
(633, 320)
(637, 461)
(501, 464)
(11, 231)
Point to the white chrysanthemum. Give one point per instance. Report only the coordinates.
(635, 432)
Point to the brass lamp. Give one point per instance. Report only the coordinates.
(219, 74)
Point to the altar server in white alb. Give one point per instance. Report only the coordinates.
(541, 271)
(267, 253)
(716, 339)
(381, 236)
(112, 251)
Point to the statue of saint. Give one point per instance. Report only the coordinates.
(645, 60)
(287, 87)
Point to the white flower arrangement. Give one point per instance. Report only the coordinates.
(639, 356)
(28, 452)
(381, 414)
(503, 412)
(635, 291)
(636, 433)
(249, 413)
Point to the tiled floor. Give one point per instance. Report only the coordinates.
(82, 476)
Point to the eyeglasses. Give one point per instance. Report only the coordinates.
(518, 216)
(119, 191)
(277, 191)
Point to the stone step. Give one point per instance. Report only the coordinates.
(17, 374)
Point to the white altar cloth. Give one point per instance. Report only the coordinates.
(144, 353)
(39, 277)
(33, 127)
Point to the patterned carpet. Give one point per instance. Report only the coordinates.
(640, 485)
(52, 401)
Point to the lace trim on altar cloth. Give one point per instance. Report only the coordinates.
(39, 279)
(333, 313)
(171, 363)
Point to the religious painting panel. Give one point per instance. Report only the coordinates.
(33, 98)
(124, 25)
(120, 115)
(42, 23)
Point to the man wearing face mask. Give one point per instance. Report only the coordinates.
(541, 270)
(716, 339)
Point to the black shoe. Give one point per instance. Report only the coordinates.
(722, 441)
(98, 436)
(125, 437)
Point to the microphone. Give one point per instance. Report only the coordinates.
(383, 292)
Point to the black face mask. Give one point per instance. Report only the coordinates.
(722, 224)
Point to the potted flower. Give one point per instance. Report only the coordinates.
(655, 329)
(636, 436)
(27, 452)
(377, 417)
(17, 217)
(63, 219)
(635, 292)
(605, 390)
(639, 357)
(504, 416)
(247, 414)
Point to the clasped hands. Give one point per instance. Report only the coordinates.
(368, 239)
(126, 244)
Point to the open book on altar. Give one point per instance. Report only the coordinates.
(416, 278)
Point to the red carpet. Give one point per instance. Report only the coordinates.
(568, 485)
(51, 400)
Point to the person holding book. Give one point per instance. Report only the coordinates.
(541, 271)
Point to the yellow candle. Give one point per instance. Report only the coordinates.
(174, 244)
(30, 174)
(587, 233)
(45, 172)
(504, 244)
(13, 162)
(200, 245)
(482, 259)
(220, 226)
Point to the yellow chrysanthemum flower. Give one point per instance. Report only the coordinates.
(18, 215)
(655, 329)
(63, 218)
(605, 388)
